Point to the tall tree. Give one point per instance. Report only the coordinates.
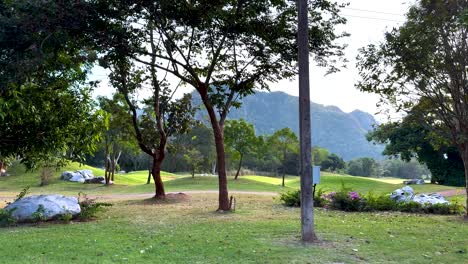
(225, 49)
(240, 137)
(163, 115)
(284, 143)
(425, 60)
(413, 137)
(118, 134)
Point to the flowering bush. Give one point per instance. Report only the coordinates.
(351, 201)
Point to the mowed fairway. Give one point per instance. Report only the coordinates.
(135, 183)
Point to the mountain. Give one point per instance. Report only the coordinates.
(341, 133)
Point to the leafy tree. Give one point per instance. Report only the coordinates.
(333, 163)
(363, 167)
(162, 118)
(46, 111)
(413, 137)
(194, 159)
(226, 49)
(118, 135)
(284, 143)
(424, 62)
(240, 137)
(319, 155)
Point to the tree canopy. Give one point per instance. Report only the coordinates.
(46, 111)
(425, 61)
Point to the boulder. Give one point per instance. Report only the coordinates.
(414, 181)
(95, 180)
(53, 206)
(402, 195)
(77, 177)
(406, 194)
(67, 175)
(87, 174)
(432, 198)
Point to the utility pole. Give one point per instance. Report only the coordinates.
(307, 201)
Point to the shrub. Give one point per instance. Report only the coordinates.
(65, 217)
(347, 201)
(410, 207)
(89, 207)
(291, 198)
(6, 218)
(444, 209)
(319, 200)
(39, 215)
(379, 203)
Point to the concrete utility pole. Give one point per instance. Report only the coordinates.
(307, 201)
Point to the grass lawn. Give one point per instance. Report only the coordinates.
(134, 182)
(260, 231)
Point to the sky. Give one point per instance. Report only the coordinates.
(368, 20)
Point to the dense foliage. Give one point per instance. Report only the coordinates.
(411, 138)
(46, 112)
(350, 201)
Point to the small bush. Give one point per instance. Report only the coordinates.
(444, 209)
(347, 201)
(6, 218)
(39, 215)
(410, 207)
(291, 198)
(65, 217)
(89, 207)
(319, 200)
(379, 203)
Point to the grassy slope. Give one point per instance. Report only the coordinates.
(134, 182)
(260, 231)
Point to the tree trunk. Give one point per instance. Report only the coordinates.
(112, 167)
(193, 172)
(464, 155)
(2, 167)
(150, 168)
(223, 198)
(213, 168)
(282, 184)
(158, 183)
(240, 165)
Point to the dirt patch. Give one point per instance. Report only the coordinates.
(449, 193)
(171, 198)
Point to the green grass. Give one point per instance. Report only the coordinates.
(260, 231)
(135, 182)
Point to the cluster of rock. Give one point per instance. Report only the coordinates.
(414, 181)
(83, 176)
(48, 206)
(406, 194)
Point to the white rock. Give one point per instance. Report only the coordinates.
(54, 206)
(433, 198)
(406, 194)
(402, 195)
(67, 175)
(77, 177)
(87, 174)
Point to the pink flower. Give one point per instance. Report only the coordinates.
(354, 195)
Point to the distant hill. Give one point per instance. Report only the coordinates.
(341, 133)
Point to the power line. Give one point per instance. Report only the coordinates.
(373, 11)
(374, 18)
